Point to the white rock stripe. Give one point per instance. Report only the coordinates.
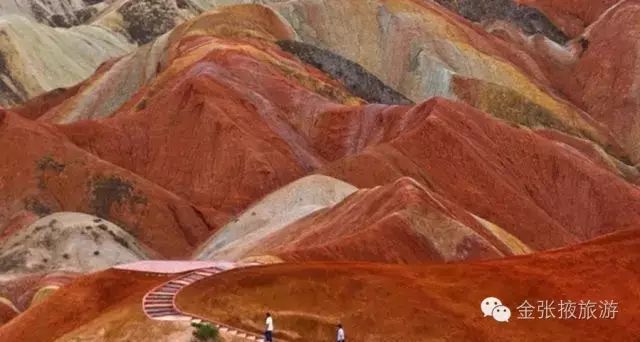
(159, 303)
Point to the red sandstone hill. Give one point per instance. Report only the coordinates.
(251, 139)
(7, 312)
(231, 118)
(83, 300)
(596, 71)
(378, 302)
(21, 290)
(402, 222)
(511, 176)
(603, 80)
(574, 15)
(55, 175)
(465, 158)
(415, 302)
(515, 144)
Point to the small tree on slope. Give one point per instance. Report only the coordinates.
(205, 332)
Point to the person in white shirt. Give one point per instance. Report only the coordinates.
(340, 335)
(268, 328)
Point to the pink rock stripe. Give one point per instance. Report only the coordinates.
(171, 266)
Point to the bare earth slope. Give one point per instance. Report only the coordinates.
(609, 66)
(430, 302)
(58, 176)
(505, 174)
(255, 132)
(307, 299)
(399, 159)
(61, 13)
(35, 58)
(71, 242)
(229, 118)
(574, 15)
(82, 301)
(271, 214)
(402, 222)
(432, 52)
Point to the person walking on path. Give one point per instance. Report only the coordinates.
(268, 328)
(340, 334)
